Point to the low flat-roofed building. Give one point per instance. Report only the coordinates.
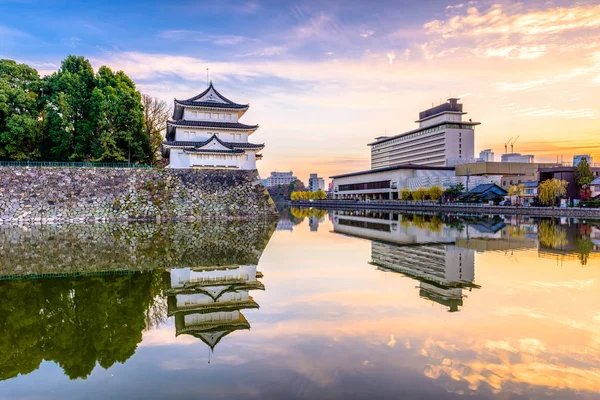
(386, 183)
(565, 174)
(510, 173)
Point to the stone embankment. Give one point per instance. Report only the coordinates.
(56, 195)
(430, 207)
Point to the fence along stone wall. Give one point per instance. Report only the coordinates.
(50, 195)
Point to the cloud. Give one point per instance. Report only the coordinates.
(392, 342)
(510, 32)
(368, 33)
(461, 5)
(391, 57)
(521, 86)
(407, 53)
(198, 36)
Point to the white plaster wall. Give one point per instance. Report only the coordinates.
(178, 159)
(192, 114)
(192, 319)
(248, 160)
(199, 135)
(189, 300)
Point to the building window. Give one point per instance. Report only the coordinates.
(365, 186)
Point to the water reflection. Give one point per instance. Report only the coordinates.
(207, 301)
(84, 294)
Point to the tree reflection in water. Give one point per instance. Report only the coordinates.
(74, 322)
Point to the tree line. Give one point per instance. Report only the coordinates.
(76, 114)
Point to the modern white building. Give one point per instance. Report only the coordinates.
(517, 158)
(315, 183)
(281, 178)
(205, 132)
(487, 155)
(442, 139)
(386, 183)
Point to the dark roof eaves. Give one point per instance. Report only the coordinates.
(397, 167)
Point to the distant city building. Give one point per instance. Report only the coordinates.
(578, 158)
(280, 178)
(487, 155)
(205, 132)
(441, 138)
(315, 183)
(517, 158)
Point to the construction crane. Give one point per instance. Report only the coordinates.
(512, 145)
(506, 145)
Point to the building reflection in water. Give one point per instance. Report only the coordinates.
(207, 302)
(440, 255)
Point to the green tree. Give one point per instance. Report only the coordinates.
(69, 127)
(584, 176)
(405, 194)
(420, 194)
(517, 191)
(435, 193)
(20, 132)
(552, 189)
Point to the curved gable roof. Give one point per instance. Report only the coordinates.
(226, 102)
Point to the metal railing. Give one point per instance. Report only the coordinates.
(66, 164)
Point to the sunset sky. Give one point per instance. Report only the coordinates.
(324, 78)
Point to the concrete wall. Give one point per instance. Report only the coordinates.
(49, 195)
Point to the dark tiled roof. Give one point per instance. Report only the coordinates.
(530, 184)
(210, 104)
(235, 151)
(404, 166)
(216, 125)
(231, 145)
(230, 103)
(486, 187)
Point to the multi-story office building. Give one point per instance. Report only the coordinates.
(442, 139)
(487, 155)
(315, 183)
(281, 178)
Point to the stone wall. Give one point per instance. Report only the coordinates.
(50, 195)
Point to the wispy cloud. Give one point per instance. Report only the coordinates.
(391, 57)
(367, 33)
(199, 36)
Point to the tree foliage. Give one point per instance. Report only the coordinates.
(283, 192)
(406, 194)
(156, 114)
(435, 193)
(552, 189)
(20, 132)
(73, 114)
(420, 194)
(583, 173)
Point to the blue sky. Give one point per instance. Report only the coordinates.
(325, 77)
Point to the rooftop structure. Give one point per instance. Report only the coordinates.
(442, 138)
(487, 155)
(517, 158)
(205, 132)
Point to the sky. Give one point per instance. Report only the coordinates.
(323, 78)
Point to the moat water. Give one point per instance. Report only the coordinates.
(321, 305)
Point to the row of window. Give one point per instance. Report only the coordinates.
(220, 135)
(211, 115)
(424, 132)
(438, 139)
(365, 186)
